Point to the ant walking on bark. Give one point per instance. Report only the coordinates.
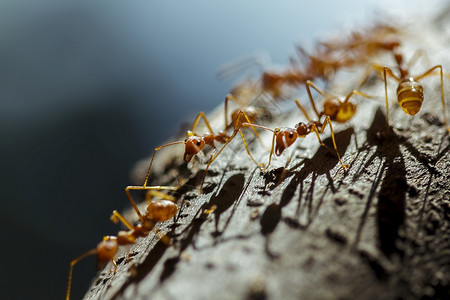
(410, 94)
(157, 211)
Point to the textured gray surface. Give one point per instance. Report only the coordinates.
(306, 228)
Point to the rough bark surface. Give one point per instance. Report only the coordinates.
(307, 229)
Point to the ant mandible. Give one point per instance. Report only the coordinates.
(157, 211)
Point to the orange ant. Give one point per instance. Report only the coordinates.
(284, 137)
(194, 143)
(330, 57)
(157, 211)
(409, 91)
(336, 108)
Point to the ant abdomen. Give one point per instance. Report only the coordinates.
(107, 249)
(161, 210)
(410, 95)
(338, 111)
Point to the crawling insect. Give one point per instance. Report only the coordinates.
(157, 211)
(194, 143)
(338, 109)
(410, 93)
(331, 56)
(284, 137)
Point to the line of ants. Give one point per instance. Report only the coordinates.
(333, 56)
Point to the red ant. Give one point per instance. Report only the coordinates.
(331, 57)
(409, 91)
(334, 109)
(157, 211)
(284, 137)
(194, 143)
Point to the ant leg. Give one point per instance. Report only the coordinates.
(429, 73)
(302, 109)
(308, 84)
(322, 129)
(153, 156)
(239, 126)
(357, 93)
(116, 217)
(273, 141)
(155, 193)
(197, 119)
(386, 71)
(227, 98)
(72, 263)
(260, 165)
(210, 160)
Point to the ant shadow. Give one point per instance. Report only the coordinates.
(321, 163)
(227, 198)
(393, 187)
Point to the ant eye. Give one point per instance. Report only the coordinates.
(291, 135)
(199, 143)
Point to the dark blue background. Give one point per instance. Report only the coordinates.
(87, 88)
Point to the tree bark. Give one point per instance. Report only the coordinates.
(305, 228)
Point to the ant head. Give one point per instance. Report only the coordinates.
(339, 111)
(193, 145)
(161, 210)
(284, 138)
(106, 250)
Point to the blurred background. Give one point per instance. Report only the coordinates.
(87, 88)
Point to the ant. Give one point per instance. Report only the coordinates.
(330, 57)
(157, 211)
(194, 143)
(338, 109)
(284, 137)
(410, 93)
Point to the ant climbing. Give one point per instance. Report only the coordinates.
(334, 109)
(194, 142)
(330, 57)
(410, 94)
(338, 109)
(157, 211)
(284, 137)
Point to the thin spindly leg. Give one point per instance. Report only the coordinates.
(386, 71)
(116, 217)
(260, 165)
(72, 263)
(153, 156)
(357, 93)
(302, 110)
(273, 140)
(239, 126)
(197, 119)
(210, 160)
(328, 120)
(430, 73)
(308, 84)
